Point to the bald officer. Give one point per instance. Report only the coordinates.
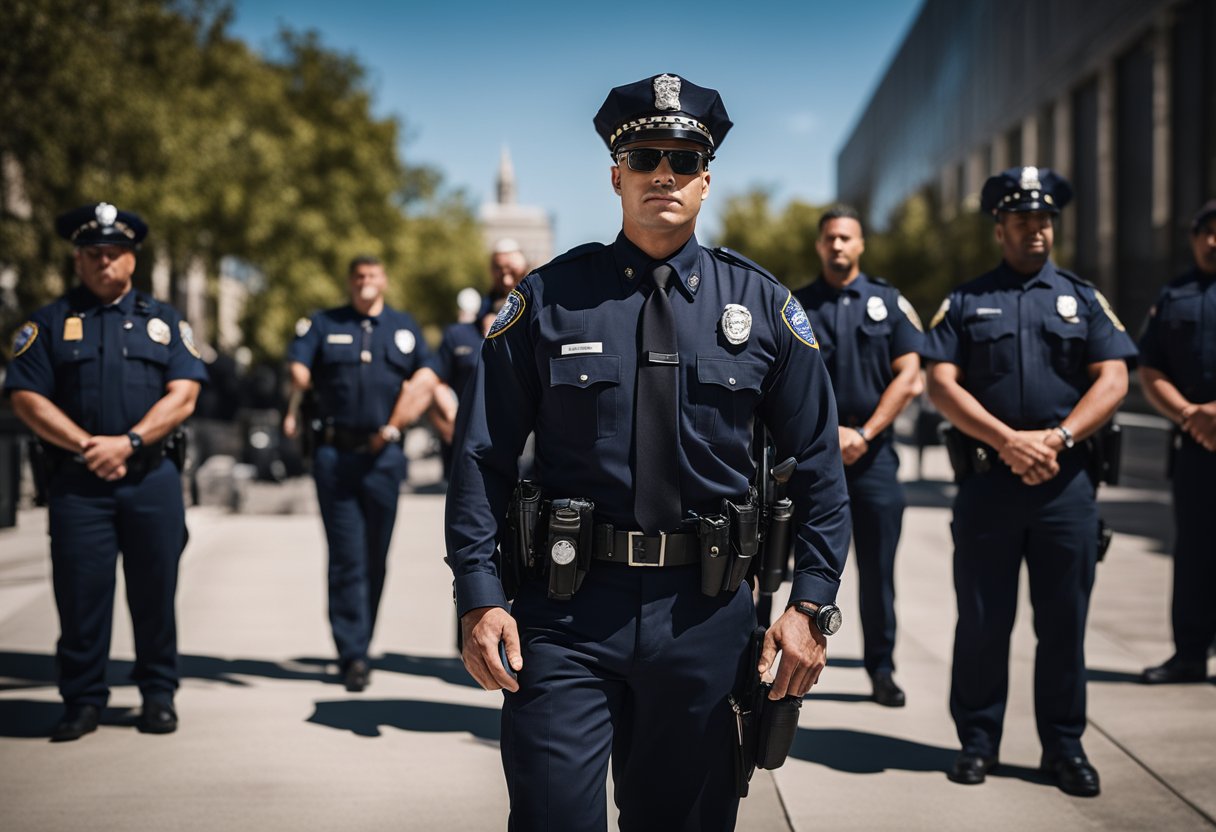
(641, 365)
(104, 376)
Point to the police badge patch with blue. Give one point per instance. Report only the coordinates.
(795, 318)
(512, 310)
(25, 338)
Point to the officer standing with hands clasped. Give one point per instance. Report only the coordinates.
(368, 365)
(870, 338)
(1029, 362)
(104, 376)
(640, 365)
(1178, 375)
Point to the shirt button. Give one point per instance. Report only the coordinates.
(731, 380)
(583, 377)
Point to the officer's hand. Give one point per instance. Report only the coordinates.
(106, 456)
(1026, 448)
(853, 445)
(1199, 421)
(291, 426)
(482, 629)
(804, 652)
(376, 444)
(1041, 472)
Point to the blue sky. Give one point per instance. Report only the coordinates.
(468, 78)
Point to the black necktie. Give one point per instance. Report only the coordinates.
(657, 486)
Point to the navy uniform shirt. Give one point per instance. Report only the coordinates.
(457, 354)
(1179, 337)
(359, 362)
(103, 366)
(861, 329)
(562, 358)
(1024, 343)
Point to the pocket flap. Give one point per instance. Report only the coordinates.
(585, 370)
(729, 373)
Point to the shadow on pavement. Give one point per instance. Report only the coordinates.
(446, 669)
(929, 493)
(365, 717)
(29, 719)
(845, 662)
(1146, 518)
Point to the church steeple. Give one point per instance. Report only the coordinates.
(506, 179)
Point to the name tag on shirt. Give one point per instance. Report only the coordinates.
(73, 329)
(588, 347)
(989, 310)
(340, 338)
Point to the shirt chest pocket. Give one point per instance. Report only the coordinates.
(994, 349)
(726, 395)
(585, 391)
(874, 340)
(1066, 342)
(77, 375)
(400, 363)
(146, 361)
(337, 377)
(1184, 343)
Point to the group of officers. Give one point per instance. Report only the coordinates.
(643, 371)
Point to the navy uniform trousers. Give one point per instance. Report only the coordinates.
(877, 502)
(998, 523)
(638, 665)
(358, 494)
(91, 521)
(1194, 613)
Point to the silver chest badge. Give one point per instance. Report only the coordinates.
(405, 341)
(1066, 305)
(876, 308)
(158, 331)
(667, 92)
(736, 323)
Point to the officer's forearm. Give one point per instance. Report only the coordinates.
(301, 376)
(45, 419)
(1101, 400)
(173, 408)
(962, 409)
(902, 389)
(416, 396)
(1162, 394)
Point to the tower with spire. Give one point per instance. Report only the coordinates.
(528, 225)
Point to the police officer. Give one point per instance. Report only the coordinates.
(368, 365)
(640, 365)
(1178, 375)
(104, 375)
(870, 338)
(1029, 362)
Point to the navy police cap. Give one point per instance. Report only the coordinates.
(662, 107)
(1025, 189)
(1208, 210)
(101, 224)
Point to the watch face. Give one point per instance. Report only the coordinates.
(830, 620)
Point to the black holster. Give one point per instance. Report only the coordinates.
(177, 445)
(568, 547)
(967, 456)
(1105, 449)
(519, 551)
(42, 469)
(775, 528)
(764, 729)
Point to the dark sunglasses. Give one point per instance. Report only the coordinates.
(646, 159)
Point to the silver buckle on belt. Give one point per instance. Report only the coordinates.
(662, 549)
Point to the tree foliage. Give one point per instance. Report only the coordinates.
(278, 161)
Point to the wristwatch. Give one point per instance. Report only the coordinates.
(827, 617)
(137, 441)
(1066, 435)
(861, 431)
(390, 434)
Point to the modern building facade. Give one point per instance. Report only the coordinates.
(1118, 95)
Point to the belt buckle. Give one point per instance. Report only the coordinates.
(662, 548)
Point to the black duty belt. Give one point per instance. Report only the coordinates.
(639, 549)
(345, 439)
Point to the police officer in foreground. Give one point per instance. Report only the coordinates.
(640, 365)
(870, 338)
(369, 367)
(104, 376)
(1178, 375)
(1029, 363)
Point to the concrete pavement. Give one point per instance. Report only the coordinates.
(270, 741)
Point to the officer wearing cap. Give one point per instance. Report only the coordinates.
(870, 338)
(1029, 362)
(640, 365)
(104, 376)
(370, 370)
(1178, 375)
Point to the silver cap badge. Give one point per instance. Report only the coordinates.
(1030, 179)
(736, 323)
(876, 308)
(667, 92)
(106, 214)
(1066, 305)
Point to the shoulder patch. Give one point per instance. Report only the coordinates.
(187, 332)
(909, 310)
(940, 313)
(1110, 313)
(732, 256)
(512, 310)
(572, 254)
(795, 318)
(24, 338)
(302, 327)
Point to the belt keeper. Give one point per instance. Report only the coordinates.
(602, 540)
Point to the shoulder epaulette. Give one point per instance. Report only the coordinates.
(881, 281)
(1076, 278)
(732, 256)
(572, 254)
(146, 304)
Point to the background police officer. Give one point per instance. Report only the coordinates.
(1030, 360)
(640, 365)
(103, 375)
(870, 339)
(1178, 375)
(368, 365)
